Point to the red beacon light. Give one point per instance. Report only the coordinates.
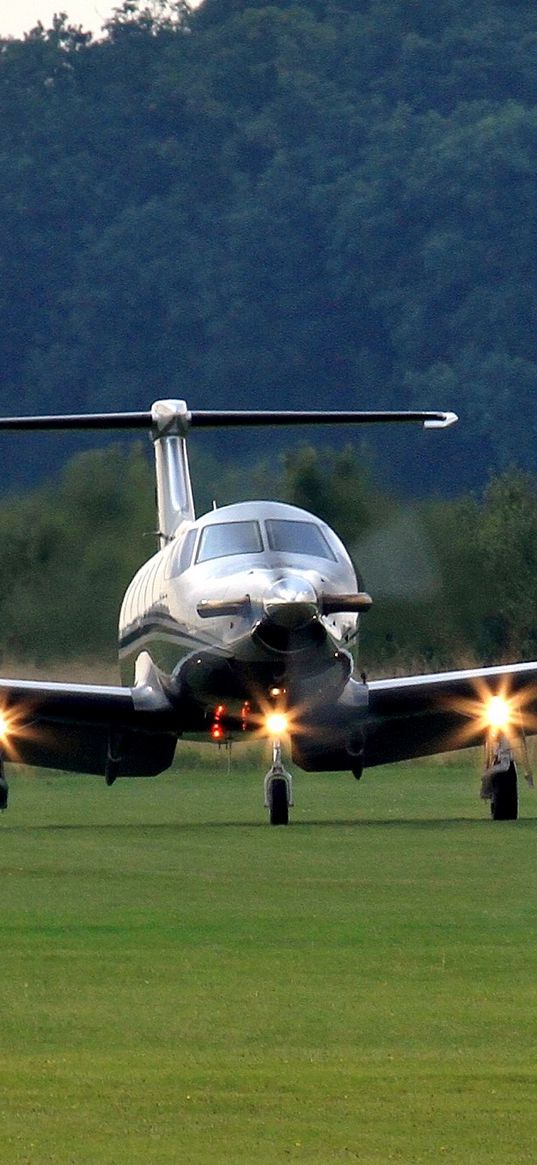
(217, 731)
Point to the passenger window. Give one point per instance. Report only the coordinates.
(298, 538)
(127, 607)
(147, 589)
(223, 538)
(151, 588)
(136, 597)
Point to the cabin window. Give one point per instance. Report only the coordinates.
(183, 556)
(291, 537)
(223, 538)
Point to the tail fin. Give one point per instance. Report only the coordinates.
(175, 502)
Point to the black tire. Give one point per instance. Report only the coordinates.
(277, 799)
(504, 800)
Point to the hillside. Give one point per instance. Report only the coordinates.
(329, 202)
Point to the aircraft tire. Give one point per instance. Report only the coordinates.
(278, 804)
(504, 800)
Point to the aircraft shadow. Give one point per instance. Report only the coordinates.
(178, 827)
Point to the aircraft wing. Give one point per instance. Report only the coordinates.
(132, 731)
(422, 715)
(88, 728)
(397, 719)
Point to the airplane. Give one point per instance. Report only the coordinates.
(244, 622)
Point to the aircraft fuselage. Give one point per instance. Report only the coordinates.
(232, 613)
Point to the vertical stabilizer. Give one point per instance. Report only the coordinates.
(170, 423)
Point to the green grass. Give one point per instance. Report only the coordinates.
(183, 984)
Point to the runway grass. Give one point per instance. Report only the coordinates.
(183, 984)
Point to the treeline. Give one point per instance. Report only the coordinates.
(454, 582)
(331, 201)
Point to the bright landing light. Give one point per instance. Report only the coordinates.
(498, 713)
(276, 723)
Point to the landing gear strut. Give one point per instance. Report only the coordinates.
(4, 787)
(278, 788)
(499, 784)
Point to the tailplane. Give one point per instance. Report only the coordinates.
(169, 421)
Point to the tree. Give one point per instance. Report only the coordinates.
(274, 203)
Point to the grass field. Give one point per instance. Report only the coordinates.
(183, 984)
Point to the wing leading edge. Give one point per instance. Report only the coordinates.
(423, 715)
(410, 716)
(87, 728)
(120, 731)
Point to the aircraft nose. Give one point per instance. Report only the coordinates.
(291, 601)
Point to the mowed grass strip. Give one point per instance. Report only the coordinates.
(182, 983)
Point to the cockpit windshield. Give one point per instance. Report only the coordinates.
(223, 538)
(294, 537)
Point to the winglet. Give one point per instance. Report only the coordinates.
(442, 423)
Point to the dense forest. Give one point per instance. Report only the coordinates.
(331, 201)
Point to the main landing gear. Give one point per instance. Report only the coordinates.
(4, 787)
(499, 784)
(278, 788)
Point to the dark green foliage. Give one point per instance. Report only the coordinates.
(328, 203)
(67, 553)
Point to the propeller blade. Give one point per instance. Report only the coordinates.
(211, 608)
(333, 604)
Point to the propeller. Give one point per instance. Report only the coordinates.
(326, 605)
(398, 559)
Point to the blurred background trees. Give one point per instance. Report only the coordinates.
(255, 203)
(248, 204)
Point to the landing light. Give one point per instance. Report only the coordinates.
(498, 713)
(4, 726)
(276, 723)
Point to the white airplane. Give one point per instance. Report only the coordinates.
(243, 622)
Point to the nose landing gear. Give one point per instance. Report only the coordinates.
(278, 788)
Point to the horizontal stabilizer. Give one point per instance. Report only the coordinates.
(243, 417)
(80, 421)
(181, 422)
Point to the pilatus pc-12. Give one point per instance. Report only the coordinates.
(243, 622)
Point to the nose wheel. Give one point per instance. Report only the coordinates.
(278, 788)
